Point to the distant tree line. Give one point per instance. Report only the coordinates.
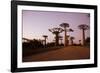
(34, 44)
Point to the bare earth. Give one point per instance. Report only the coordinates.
(66, 53)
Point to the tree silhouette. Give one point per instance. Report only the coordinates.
(72, 38)
(56, 32)
(65, 25)
(67, 39)
(79, 42)
(83, 27)
(71, 30)
(61, 38)
(31, 44)
(45, 38)
(87, 41)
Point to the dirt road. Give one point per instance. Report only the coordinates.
(66, 53)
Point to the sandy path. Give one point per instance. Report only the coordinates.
(67, 53)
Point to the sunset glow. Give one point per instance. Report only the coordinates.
(36, 24)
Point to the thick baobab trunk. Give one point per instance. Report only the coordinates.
(79, 42)
(45, 38)
(61, 41)
(71, 42)
(45, 42)
(83, 37)
(57, 39)
(65, 38)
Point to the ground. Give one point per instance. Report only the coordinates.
(65, 53)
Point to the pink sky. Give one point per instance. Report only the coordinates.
(37, 23)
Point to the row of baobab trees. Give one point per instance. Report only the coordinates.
(65, 28)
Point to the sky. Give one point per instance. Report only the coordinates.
(35, 24)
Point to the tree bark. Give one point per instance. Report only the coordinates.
(83, 37)
(57, 39)
(65, 40)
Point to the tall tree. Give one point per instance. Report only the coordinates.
(56, 32)
(83, 27)
(79, 42)
(61, 38)
(72, 38)
(65, 26)
(45, 38)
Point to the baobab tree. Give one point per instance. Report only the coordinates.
(79, 42)
(72, 38)
(56, 32)
(65, 26)
(45, 38)
(67, 39)
(71, 30)
(42, 41)
(61, 38)
(83, 27)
